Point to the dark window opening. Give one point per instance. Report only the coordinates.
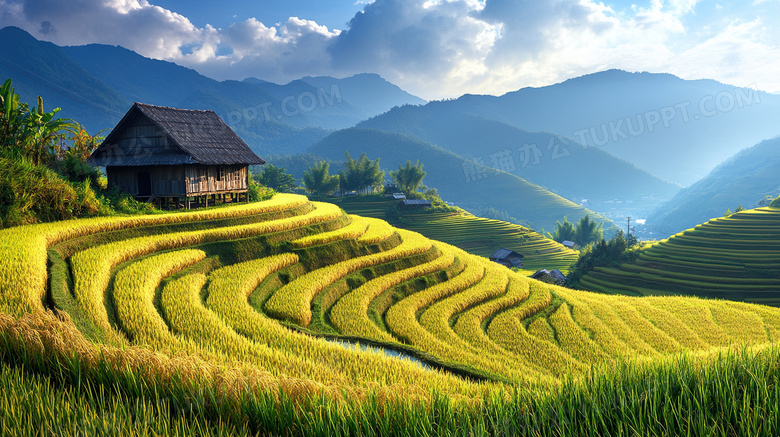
(144, 183)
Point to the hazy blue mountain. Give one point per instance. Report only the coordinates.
(96, 84)
(623, 113)
(42, 68)
(744, 179)
(554, 162)
(136, 78)
(252, 102)
(458, 180)
(369, 92)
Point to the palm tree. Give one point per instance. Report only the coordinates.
(408, 178)
(30, 134)
(564, 231)
(361, 175)
(588, 231)
(318, 181)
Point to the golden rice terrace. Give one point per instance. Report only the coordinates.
(735, 257)
(257, 288)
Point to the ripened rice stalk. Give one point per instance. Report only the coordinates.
(92, 267)
(507, 330)
(469, 324)
(402, 321)
(641, 327)
(353, 230)
(293, 301)
(23, 272)
(604, 308)
(378, 230)
(572, 339)
(668, 323)
(597, 330)
(134, 290)
(228, 290)
(187, 316)
(436, 320)
(740, 326)
(350, 314)
(541, 329)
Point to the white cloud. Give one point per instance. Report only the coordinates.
(744, 53)
(425, 45)
(434, 48)
(135, 24)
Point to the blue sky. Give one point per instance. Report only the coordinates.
(432, 48)
(332, 13)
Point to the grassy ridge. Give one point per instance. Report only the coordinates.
(476, 235)
(241, 317)
(735, 257)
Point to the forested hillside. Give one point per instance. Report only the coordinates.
(469, 184)
(552, 161)
(748, 179)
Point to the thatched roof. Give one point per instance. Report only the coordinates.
(555, 274)
(189, 137)
(505, 254)
(419, 203)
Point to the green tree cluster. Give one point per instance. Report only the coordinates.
(43, 171)
(361, 176)
(72, 161)
(496, 214)
(603, 254)
(775, 203)
(30, 134)
(318, 180)
(408, 178)
(586, 231)
(276, 178)
(728, 211)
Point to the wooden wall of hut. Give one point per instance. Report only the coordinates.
(203, 180)
(179, 180)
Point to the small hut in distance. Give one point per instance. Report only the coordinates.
(553, 276)
(569, 244)
(508, 258)
(159, 154)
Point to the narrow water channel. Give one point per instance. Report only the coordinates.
(389, 352)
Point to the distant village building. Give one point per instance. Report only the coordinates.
(569, 244)
(157, 153)
(398, 196)
(508, 258)
(554, 275)
(414, 203)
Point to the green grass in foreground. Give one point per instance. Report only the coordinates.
(734, 393)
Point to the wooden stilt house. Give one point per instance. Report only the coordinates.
(172, 155)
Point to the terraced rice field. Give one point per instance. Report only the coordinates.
(477, 235)
(735, 257)
(240, 300)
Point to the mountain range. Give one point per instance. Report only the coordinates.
(465, 182)
(676, 129)
(750, 179)
(589, 176)
(614, 142)
(96, 84)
